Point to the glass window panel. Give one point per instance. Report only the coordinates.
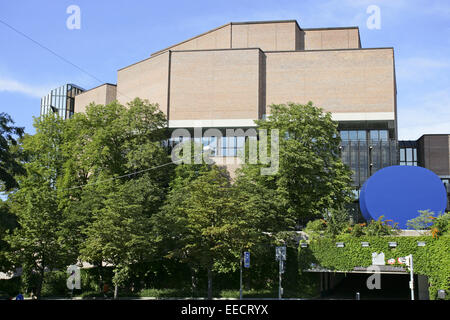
(402, 155)
(362, 135)
(415, 154)
(409, 154)
(383, 134)
(374, 134)
(240, 142)
(231, 142)
(353, 135)
(385, 154)
(344, 135)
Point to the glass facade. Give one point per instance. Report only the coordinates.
(61, 101)
(219, 146)
(366, 151)
(408, 153)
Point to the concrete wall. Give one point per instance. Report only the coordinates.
(340, 81)
(219, 38)
(215, 84)
(333, 38)
(103, 94)
(267, 36)
(211, 81)
(147, 79)
(275, 35)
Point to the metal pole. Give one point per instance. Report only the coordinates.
(411, 283)
(240, 286)
(279, 281)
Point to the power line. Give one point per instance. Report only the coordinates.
(123, 176)
(56, 54)
(50, 50)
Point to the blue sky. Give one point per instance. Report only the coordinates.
(115, 34)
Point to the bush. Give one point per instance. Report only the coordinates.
(423, 221)
(55, 284)
(381, 228)
(11, 286)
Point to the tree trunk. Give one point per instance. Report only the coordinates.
(100, 277)
(39, 284)
(193, 281)
(116, 285)
(210, 279)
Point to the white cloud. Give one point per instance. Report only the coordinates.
(419, 68)
(428, 114)
(35, 91)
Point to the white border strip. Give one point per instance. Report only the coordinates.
(355, 116)
(241, 123)
(212, 123)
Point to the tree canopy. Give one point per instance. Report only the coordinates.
(9, 162)
(311, 178)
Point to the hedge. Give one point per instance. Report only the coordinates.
(433, 260)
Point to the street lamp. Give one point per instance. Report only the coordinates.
(365, 244)
(392, 244)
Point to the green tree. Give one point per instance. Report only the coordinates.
(9, 162)
(38, 244)
(312, 177)
(126, 171)
(202, 223)
(423, 222)
(120, 233)
(8, 222)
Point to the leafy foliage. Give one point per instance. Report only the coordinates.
(311, 177)
(115, 141)
(9, 159)
(439, 225)
(38, 244)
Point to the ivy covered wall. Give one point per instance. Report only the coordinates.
(432, 260)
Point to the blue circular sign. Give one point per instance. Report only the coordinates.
(399, 192)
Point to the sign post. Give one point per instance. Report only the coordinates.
(245, 259)
(408, 260)
(409, 263)
(280, 255)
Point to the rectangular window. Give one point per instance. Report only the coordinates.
(383, 134)
(374, 135)
(362, 135)
(409, 154)
(402, 155)
(353, 135)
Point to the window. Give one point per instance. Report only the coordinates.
(408, 156)
(353, 135)
(374, 135)
(379, 135)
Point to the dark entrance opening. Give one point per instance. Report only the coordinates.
(393, 287)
